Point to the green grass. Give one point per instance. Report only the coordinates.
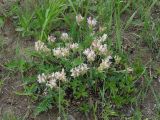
(9, 116)
(1, 85)
(40, 18)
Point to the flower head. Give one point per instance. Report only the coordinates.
(79, 70)
(73, 46)
(91, 22)
(60, 75)
(103, 38)
(64, 36)
(99, 47)
(42, 78)
(79, 19)
(90, 54)
(51, 38)
(96, 44)
(103, 49)
(40, 46)
(52, 83)
(51, 79)
(105, 64)
(61, 52)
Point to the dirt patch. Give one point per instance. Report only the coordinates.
(150, 105)
(8, 100)
(137, 49)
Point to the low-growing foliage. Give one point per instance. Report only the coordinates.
(1, 84)
(9, 116)
(63, 70)
(1, 21)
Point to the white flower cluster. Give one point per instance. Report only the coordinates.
(103, 38)
(65, 36)
(91, 22)
(105, 64)
(60, 52)
(51, 79)
(57, 52)
(51, 38)
(90, 54)
(99, 47)
(79, 70)
(64, 52)
(42, 78)
(60, 75)
(40, 46)
(96, 47)
(79, 19)
(73, 46)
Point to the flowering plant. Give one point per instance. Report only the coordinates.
(68, 70)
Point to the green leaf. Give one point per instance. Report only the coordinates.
(85, 108)
(130, 20)
(19, 65)
(77, 62)
(1, 21)
(43, 106)
(23, 94)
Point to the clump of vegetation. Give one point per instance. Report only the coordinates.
(36, 18)
(63, 70)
